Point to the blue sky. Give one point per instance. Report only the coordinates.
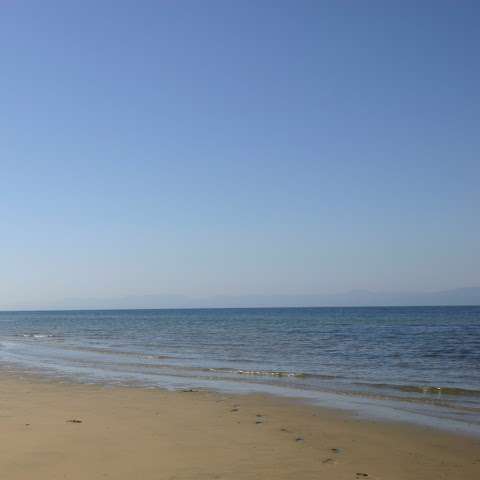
(225, 147)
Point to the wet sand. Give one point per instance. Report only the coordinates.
(51, 430)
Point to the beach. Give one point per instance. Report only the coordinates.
(240, 240)
(413, 364)
(61, 430)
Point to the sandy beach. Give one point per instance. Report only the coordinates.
(51, 430)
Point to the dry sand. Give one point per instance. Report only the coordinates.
(134, 433)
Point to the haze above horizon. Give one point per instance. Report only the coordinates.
(237, 149)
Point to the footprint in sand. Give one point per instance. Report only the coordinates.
(260, 418)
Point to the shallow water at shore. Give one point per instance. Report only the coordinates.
(418, 364)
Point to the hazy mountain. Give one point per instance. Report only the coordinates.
(459, 296)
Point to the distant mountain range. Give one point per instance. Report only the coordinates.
(358, 298)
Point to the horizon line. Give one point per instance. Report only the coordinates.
(33, 310)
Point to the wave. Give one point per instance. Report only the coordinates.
(120, 353)
(38, 335)
(89, 349)
(272, 373)
(424, 389)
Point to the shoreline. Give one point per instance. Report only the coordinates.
(366, 407)
(127, 432)
(380, 363)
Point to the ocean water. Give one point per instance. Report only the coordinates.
(417, 364)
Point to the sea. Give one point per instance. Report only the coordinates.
(413, 364)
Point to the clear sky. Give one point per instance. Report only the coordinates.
(221, 147)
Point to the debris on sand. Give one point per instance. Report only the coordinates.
(74, 420)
